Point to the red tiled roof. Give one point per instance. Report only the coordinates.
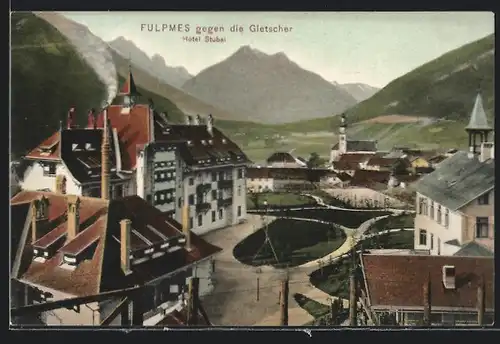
(51, 145)
(383, 162)
(368, 177)
(397, 280)
(100, 225)
(349, 162)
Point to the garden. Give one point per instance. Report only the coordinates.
(347, 218)
(333, 279)
(274, 200)
(392, 222)
(295, 242)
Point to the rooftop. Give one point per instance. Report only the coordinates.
(98, 245)
(458, 180)
(396, 281)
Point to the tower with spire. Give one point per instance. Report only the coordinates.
(478, 128)
(128, 92)
(343, 134)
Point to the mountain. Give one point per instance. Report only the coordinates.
(267, 88)
(359, 91)
(48, 77)
(175, 76)
(436, 98)
(442, 88)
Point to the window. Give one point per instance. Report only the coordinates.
(431, 210)
(239, 190)
(191, 181)
(482, 227)
(240, 173)
(432, 241)
(214, 194)
(200, 220)
(49, 170)
(221, 175)
(213, 215)
(179, 202)
(446, 218)
(422, 240)
(221, 214)
(190, 222)
(484, 199)
(438, 215)
(422, 206)
(239, 211)
(214, 176)
(191, 199)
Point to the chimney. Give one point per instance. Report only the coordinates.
(185, 227)
(60, 184)
(105, 158)
(39, 218)
(427, 302)
(92, 119)
(449, 277)
(197, 120)
(188, 120)
(71, 118)
(210, 125)
(471, 153)
(487, 151)
(125, 245)
(480, 302)
(73, 203)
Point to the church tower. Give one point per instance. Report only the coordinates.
(478, 127)
(343, 135)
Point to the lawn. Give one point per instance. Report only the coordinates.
(278, 199)
(347, 218)
(295, 242)
(333, 279)
(392, 222)
(321, 313)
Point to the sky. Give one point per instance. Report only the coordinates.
(367, 47)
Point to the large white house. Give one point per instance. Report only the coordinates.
(169, 165)
(455, 203)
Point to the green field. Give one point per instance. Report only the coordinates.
(280, 199)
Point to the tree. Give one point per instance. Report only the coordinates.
(315, 160)
(254, 197)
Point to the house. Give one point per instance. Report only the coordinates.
(395, 288)
(342, 180)
(276, 179)
(169, 165)
(284, 159)
(377, 180)
(455, 203)
(348, 145)
(350, 162)
(74, 246)
(378, 163)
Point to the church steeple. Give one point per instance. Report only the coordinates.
(343, 134)
(478, 127)
(129, 89)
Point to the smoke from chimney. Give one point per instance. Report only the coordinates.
(188, 120)
(105, 148)
(197, 120)
(71, 118)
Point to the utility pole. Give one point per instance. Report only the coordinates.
(193, 301)
(257, 288)
(427, 302)
(352, 289)
(480, 302)
(284, 301)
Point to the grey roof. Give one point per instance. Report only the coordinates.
(473, 249)
(458, 180)
(478, 119)
(359, 146)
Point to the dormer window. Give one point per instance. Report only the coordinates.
(74, 146)
(204, 142)
(190, 143)
(88, 146)
(211, 142)
(224, 141)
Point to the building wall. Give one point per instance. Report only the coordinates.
(239, 206)
(35, 180)
(473, 210)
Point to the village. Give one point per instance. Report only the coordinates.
(134, 220)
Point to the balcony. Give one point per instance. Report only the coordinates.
(203, 207)
(203, 188)
(225, 184)
(222, 203)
